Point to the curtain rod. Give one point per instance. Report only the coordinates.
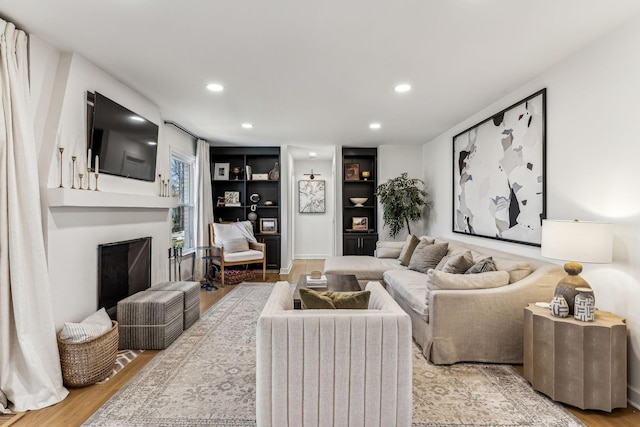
(193, 135)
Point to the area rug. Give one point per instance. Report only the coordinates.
(123, 358)
(207, 378)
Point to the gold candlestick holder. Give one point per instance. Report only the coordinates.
(88, 178)
(81, 183)
(61, 150)
(97, 175)
(73, 172)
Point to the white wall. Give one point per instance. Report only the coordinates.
(592, 173)
(60, 81)
(310, 230)
(393, 160)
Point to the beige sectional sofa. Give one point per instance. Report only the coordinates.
(464, 324)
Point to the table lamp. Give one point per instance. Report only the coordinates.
(576, 241)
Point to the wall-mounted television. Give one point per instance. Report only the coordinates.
(126, 142)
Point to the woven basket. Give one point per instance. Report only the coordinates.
(232, 277)
(88, 362)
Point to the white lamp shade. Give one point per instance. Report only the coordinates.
(577, 241)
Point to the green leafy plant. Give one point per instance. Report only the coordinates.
(403, 200)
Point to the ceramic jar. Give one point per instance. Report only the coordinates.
(584, 305)
(559, 306)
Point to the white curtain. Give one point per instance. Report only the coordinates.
(30, 374)
(204, 209)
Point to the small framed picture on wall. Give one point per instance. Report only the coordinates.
(360, 223)
(268, 225)
(220, 172)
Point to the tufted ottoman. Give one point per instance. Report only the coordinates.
(191, 290)
(150, 320)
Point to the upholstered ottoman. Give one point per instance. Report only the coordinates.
(150, 320)
(191, 290)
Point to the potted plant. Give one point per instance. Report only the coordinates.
(402, 199)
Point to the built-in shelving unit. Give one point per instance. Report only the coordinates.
(265, 206)
(360, 232)
(66, 197)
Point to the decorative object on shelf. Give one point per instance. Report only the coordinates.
(236, 173)
(253, 207)
(88, 178)
(316, 274)
(247, 172)
(360, 223)
(73, 172)
(358, 202)
(232, 198)
(559, 306)
(268, 225)
(260, 177)
(97, 176)
(81, 181)
(220, 201)
(577, 241)
(96, 169)
(351, 171)
(220, 172)
(366, 175)
(403, 200)
(269, 203)
(311, 196)
(502, 196)
(311, 175)
(252, 216)
(61, 150)
(584, 305)
(254, 198)
(274, 174)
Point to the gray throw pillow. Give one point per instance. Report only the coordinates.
(239, 244)
(457, 263)
(407, 250)
(427, 256)
(482, 266)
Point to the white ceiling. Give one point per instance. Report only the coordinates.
(312, 73)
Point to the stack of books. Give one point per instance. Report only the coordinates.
(318, 283)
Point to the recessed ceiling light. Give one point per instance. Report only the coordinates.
(403, 87)
(137, 119)
(375, 126)
(215, 87)
(247, 125)
(312, 154)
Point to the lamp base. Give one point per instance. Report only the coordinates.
(567, 286)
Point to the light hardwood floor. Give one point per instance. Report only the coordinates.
(82, 402)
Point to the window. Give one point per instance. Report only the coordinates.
(182, 187)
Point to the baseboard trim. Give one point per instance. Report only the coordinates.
(633, 397)
(312, 256)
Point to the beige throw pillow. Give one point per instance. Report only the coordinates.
(438, 280)
(239, 244)
(91, 327)
(427, 256)
(517, 270)
(408, 250)
(456, 263)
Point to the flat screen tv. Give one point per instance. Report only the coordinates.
(126, 142)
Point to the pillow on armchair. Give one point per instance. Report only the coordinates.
(225, 232)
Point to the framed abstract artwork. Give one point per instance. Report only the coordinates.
(311, 196)
(499, 174)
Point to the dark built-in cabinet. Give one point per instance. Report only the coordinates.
(244, 196)
(359, 219)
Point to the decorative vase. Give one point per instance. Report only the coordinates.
(248, 172)
(252, 216)
(559, 307)
(584, 305)
(236, 172)
(274, 174)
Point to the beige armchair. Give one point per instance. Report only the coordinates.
(234, 244)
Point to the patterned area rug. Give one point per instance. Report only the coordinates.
(123, 359)
(207, 378)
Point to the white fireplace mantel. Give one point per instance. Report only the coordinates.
(66, 197)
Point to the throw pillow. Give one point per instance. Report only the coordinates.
(408, 250)
(239, 244)
(334, 300)
(427, 255)
(91, 327)
(440, 280)
(456, 263)
(388, 249)
(405, 245)
(482, 266)
(517, 270)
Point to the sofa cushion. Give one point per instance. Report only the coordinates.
(388, 249)
(482, 266)
(517, 270)
(365, 268)
(437, 280)
(427, 255)
(410, 287)
(334, 300)
(457, 263)
(407, 250)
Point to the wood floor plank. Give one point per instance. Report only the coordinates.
(83, 402)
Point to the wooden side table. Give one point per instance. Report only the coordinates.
(583, 364)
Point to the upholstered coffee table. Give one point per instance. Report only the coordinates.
(335, 283)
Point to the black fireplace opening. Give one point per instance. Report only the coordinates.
(124, 268)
